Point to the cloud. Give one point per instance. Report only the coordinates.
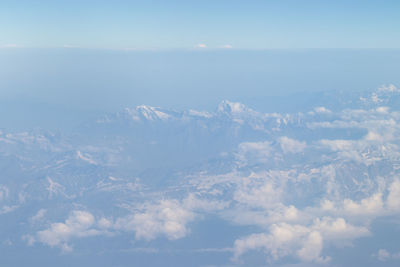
(311, 249)
(338, 229)
(4, 192)
(254, 152)
(388, 88)
(200, 46)
(322, 110)
(370, 205)
(11, 46)
(284, 240)
(38, 216)
(168, 218)
(78, 224)
(256, 194)
(307, 242)
(227, 46)
(383, 255)
(289, 145)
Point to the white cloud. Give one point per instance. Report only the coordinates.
(383, 110)
(255, 194)
(254, 152)
(393, 199)
(306, 242)
(168, 218)
(322, 110)
(38, 216)
(388, 88)
(227, 46)
(383, 255)
(201, 46)
(192, 202)
(252, 242)
(338, 229)
(11, 46)
(312, 248)
(283, 240)
(78, 224)
(289, 145)
(371, 205)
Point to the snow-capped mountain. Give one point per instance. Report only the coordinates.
(293, 188)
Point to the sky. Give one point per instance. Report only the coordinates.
(120, 24)
(230, 184)
(79, 59)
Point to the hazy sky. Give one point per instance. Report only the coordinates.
(160, 24)
(59, 58)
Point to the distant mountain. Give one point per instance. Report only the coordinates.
(291, 187)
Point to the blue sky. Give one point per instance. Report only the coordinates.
(158, 24)
(77, 56)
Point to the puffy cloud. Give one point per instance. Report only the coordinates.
(393, 199)
(167, 218)
(258, 195)
(254, 152)
(78, 224)
(312, 248)
(252, 242)
(289, 145)
(338, 229)
(306, 242)
(371, 205)
(283, 240)
(322, 110)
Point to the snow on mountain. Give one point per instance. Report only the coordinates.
(289, 188)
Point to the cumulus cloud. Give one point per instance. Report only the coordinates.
(289, 145)
(369, 205)
(78, 224)
(307, 242)
(322, 110)
(283, 240)
(254, 151)
(168, 218)
(257, 194)
(311, 248)
(393, 199)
